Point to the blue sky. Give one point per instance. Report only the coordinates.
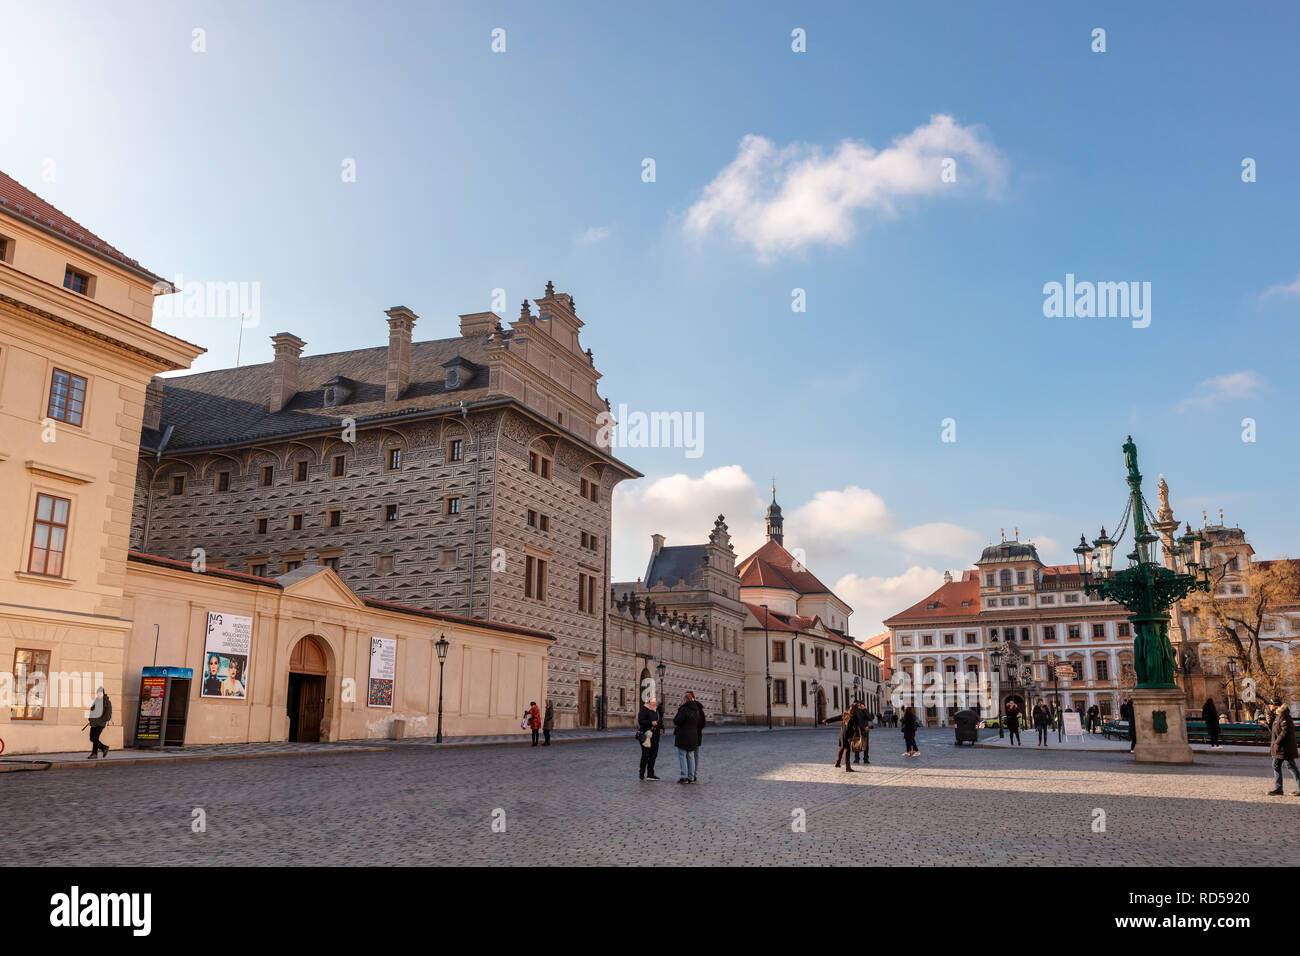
(479, 170)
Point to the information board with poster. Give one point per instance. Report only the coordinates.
(149, 725)
(1073, 724)
(383, 671)
(225, 656)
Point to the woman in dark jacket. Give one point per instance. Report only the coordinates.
(1282, 745)
(909, 725)
(688, 732)
(650, 726)
(849, 729)
(864, 731)
(1210, 714)
(1126, 712)
(1042, 720)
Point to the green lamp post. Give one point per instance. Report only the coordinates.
(1147, 589)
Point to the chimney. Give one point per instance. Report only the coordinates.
(478, 323)
(401, 321)
(657, 543)
(284, 372)
(153, 403)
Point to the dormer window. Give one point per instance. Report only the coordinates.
(457, 373)
(453, 377)
(337, 391)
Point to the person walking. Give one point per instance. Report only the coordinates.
(864, 735)
(1013, 724)
(1210, 714)
(101, 712)
(1128, 714)
(1094, 718)
(909, 725)
(1042, 721)
(548, 724)
(533, 720)
(688, 729)
(650, 727)
(1282, 745)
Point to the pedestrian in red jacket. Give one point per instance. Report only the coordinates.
(533, 717)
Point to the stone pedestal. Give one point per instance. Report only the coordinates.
(1161, 726)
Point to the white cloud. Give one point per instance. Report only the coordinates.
(941, 538)
(836, 514)
(683, 510)
(783, 199)
(875, 598)
(1223, 388)
(1291, 288)
(595, 234)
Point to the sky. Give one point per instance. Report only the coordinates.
(827, 232)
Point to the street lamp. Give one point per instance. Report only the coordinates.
(441, 646)
(815, 718)
(1147, 589)
(662, 669)
(996, 656)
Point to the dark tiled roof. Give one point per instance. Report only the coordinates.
(21, 203)
(671, 565)
(1008, 551)
(231, 405)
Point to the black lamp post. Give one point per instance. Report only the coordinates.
(996, 656)
(815, 718)
(767, 665)
(441, 646)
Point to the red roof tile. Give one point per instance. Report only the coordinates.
(772, 566)
(21, 203)
(943, 603)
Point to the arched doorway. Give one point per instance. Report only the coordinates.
(821, 705)
(305, 703)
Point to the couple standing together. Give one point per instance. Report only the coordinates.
(688, 733)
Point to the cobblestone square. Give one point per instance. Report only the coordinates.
(579, 802)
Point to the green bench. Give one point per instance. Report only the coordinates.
(1250, 734)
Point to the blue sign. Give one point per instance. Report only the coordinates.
(185, 672)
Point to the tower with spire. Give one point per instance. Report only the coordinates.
(775, 522)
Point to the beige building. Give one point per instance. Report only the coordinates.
(323, 663)
(77, 349)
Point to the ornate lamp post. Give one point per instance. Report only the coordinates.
(441, 646)
(996, 656)
(814, 701)
(661, 669)
(767, 665)
(1147, 589)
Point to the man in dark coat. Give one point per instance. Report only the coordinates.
(1210, 714)
(1282, 745)
(101, 712)
(650, 725)
(1127, 713)
(688, 733)
(1094, 718)
(1012, 721)
(1042, 720)
(864, 729)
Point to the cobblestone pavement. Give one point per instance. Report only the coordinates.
(581, 803)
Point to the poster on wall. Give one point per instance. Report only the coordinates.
(383, 671)
(149, 724)
(225, 655)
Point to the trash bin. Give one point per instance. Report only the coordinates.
(965, 725)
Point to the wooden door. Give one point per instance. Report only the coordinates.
(585, 704)
(311, 708)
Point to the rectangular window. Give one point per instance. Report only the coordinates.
(927, 640)
(1121, 629)
(291, 566)
(1073, 632)
(390, 512)
(258, 569)
(49, 535)
(1020, 577)
(394, 459)
(532, 518)
(535, 577)
(778, 691)
(1049, 632)
(905, 640)
(593, 491)
(455, 450)
(1078, 669)
(1048, 599)
(332, 562)
(803, 657)
(778, 652)
(31, 676)
(67, 397)
(544, 522)
(296, 522)
(587, 593)
(582, 487)
(453, 507)
(334, 518)
(178, 484)
(300, 471)
(949, 640)
(338, 466)
(803, 693)
(972, 637)
(835, 697)
(78, 282)
(988, 580)
(261, 525)
(4, 249)
(1102, 669)
(223, 481)
(268, 474)
(1072, 599)
(1099, 630)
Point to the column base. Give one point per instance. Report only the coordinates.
(1166, 707)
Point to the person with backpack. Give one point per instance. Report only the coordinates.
(101, 712)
